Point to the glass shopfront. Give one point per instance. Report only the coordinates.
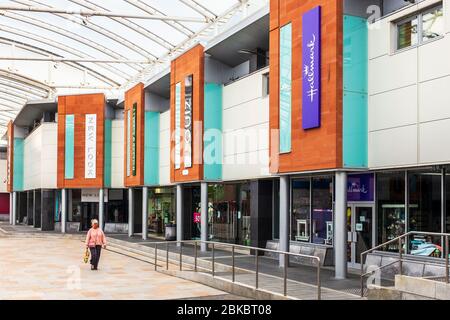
(161, 209)
(312, 210)
(391, 207)
(229, 213)
(423, 196)
(81, 211)
(116, 209)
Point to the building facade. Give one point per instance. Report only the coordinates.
(311, 126)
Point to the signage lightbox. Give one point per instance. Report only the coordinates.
(311, 53)
(188, 98)
(90, 163)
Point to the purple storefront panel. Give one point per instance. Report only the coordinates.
(311, 54)
(360, 187)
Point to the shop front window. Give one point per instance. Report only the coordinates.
(117, 206)
(161, 209)
(301, 210)
(425, 212)
(391, 207)
(322, 211)
(447, 200)
(74, 211)
(229, 213)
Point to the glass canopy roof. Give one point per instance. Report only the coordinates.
(55, 47)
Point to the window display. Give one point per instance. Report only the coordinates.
(229, 213)
(161, 209)
(301, 210)
(391, 207)
(322, 211)
(116, 209)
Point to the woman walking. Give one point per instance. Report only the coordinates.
(95, 241)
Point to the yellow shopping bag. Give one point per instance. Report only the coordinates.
(86, 256)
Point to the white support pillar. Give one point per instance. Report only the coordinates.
(130, 212)
(101, 208)
(204, 215)
(180, 218)
(14, 209)
(285, 192)
(145, 213)
(63, 210)
(11, 208)
(340, 225)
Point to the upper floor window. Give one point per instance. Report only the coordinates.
(418, 29)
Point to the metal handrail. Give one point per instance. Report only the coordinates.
(400, 260)
(215, 244)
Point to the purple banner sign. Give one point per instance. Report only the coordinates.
(311, 45)
(360, 187)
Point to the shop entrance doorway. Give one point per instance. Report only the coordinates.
(89, 211)
(360, 230)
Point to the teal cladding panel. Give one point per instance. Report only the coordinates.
(355, 126)
(69, 147)
(286, 88)
(18, 164)
(151, 146)
(212, 167)
(108, 153)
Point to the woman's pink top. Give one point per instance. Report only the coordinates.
(95, 237)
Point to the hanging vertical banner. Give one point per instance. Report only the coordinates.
(188, 98)
(311, 49)
(90, 163)
(128, 143)
(177, 126)
(133, 139)
(69, 154)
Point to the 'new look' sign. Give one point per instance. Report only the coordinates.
(90, 163)
(311, 52)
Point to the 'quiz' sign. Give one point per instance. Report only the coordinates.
(311, 53)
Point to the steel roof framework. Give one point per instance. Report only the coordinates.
(62, 46)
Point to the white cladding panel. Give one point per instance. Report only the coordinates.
(3, 171)
(164, 148)
(245, 129)
(117, 154)
(40, 158)
(409, 97)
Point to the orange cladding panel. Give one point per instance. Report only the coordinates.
(314, 149)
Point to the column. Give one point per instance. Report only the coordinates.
(14, 209)
(145, 213)
(63, 210)
(204, 215)
(180, 220)
(130, 212)
(340, 223)
(284, 216)
(11, 205)
(101, 208)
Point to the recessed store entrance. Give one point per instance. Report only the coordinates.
(360, 230)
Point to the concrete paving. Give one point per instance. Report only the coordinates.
(39, 268)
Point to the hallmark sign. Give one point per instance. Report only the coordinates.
(361, 187)
(188, 97)
(90, 163)
(311, 54)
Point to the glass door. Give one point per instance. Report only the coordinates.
(360, 231)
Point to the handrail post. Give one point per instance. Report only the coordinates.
(167, 255)
(257, 269)
(362, 275)
(213, 258)
(156, 256)
(196, 255)
(446, 260)
(233, 276)
(181, 256)
(319, 285)
(400, 251)
(285, 274)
